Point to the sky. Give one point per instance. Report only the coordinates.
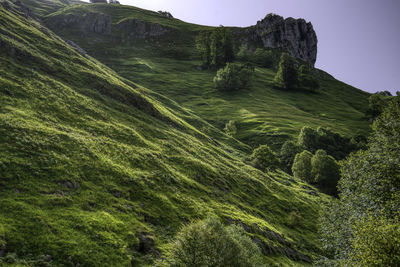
(358, 40)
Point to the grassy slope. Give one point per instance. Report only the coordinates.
(262, 114)
(88, 161)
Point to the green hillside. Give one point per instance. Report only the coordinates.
(95, 167)
(169, 65)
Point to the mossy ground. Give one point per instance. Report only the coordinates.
(89, 160)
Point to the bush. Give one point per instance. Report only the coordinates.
(325, 172)
(209, 243)
(375, 107)
(302, 166)
(286, 77)
(264, 159)
(233, 77)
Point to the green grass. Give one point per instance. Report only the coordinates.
(263, 115)
(90, 160)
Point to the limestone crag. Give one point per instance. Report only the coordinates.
(295, 36)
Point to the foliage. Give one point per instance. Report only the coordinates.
(376, 242)
(375, 107)
(287, 76)
(264, 159)
(264, 58)
(244, 54)
(233, 77)
(287, 154)
(325, 172)
(209, 243)
(215, 47)
(306, 78)
(370, 186)
(308, 139)
(333, 143)
(230, 128)
(203, 45)
(98, 1)
(301, 168)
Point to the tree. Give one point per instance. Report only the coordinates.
(375, 107)
(215, 47)
(325, 172)
(308, 139)
(302, 166)
(98, 1)
(233, 77)
(203, 45)
(264, 58)
(264, 159)
(286, 77)
(221, 47)
(369, 192)
(209, 243)
(287, 154)
(306, 78)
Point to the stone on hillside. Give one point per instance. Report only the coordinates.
(166, 14)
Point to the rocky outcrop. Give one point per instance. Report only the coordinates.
(295, 36)
(166, 14)
(138, 29)
(88, 23)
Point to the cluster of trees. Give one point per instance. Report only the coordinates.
(319, 169)
(233, 77)
(362, 227)
(215, 47)
(262, 57)
(210, 243)
(291, 77)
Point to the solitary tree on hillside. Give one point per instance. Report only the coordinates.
(325, 172)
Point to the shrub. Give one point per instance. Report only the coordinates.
(302, 166)
(286, 77)
(244, 54)
(375, 107)
(325, 172)
(264, 159)
(209, 243)
(233, 77)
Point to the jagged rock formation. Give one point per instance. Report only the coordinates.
(166, 14)
(295, 36)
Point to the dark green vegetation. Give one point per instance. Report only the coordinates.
(104, 164)
(99, 171)
(362, 227)
(209, 243)
(233, 77)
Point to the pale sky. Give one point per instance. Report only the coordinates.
(358, 40)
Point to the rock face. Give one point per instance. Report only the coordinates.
(90, 22)
(134, 28)
(295, 36)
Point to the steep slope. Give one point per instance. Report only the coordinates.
(96, 171)
(159, 52)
